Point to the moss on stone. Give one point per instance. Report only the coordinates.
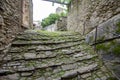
(41, 72)
(31, 63)
(118, 29)
(102, 38)
(59, 74)
(112, 78)
(90, 38)
(116, 50)
(103, 47)
(111, 46)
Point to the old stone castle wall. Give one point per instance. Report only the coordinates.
(84, 15)
(12, 19)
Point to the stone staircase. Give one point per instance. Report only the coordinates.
(36, 55)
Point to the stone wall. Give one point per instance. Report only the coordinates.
(100, 20)
(61, 24)
(50, 28)
(11, 16)
(108, 42)
(84, 15)
(27, 15)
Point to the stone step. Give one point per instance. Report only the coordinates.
(76, 51)
(44, 34)
(64, 67)
(39, 48)
(82, 70)
(82, 73)
(39, 56)
(23, 43)
(46, 62)
(19, 52)
(29, 38)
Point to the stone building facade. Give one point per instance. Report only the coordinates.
(15, 16)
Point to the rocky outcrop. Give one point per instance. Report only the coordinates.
(11, 15)
(85, 15)
(52, 56)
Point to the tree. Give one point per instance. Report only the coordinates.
(50, 19)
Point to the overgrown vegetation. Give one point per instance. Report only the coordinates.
(110, 47)
(53, 16)
(51, 19)
(66, 1)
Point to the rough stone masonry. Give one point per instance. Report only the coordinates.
(85, 15)
(100, 20)
(15, 16)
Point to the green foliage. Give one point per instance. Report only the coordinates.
(112, 46)
(66, 1)
(51, 19)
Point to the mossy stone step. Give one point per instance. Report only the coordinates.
(36, 55)
(40, 38)
(22, 43)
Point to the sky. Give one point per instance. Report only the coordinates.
(42, 9)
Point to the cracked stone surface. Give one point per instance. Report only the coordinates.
(41, 56)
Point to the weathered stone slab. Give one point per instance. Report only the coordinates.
(69, 75)
(29, 55)
(87, 69)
